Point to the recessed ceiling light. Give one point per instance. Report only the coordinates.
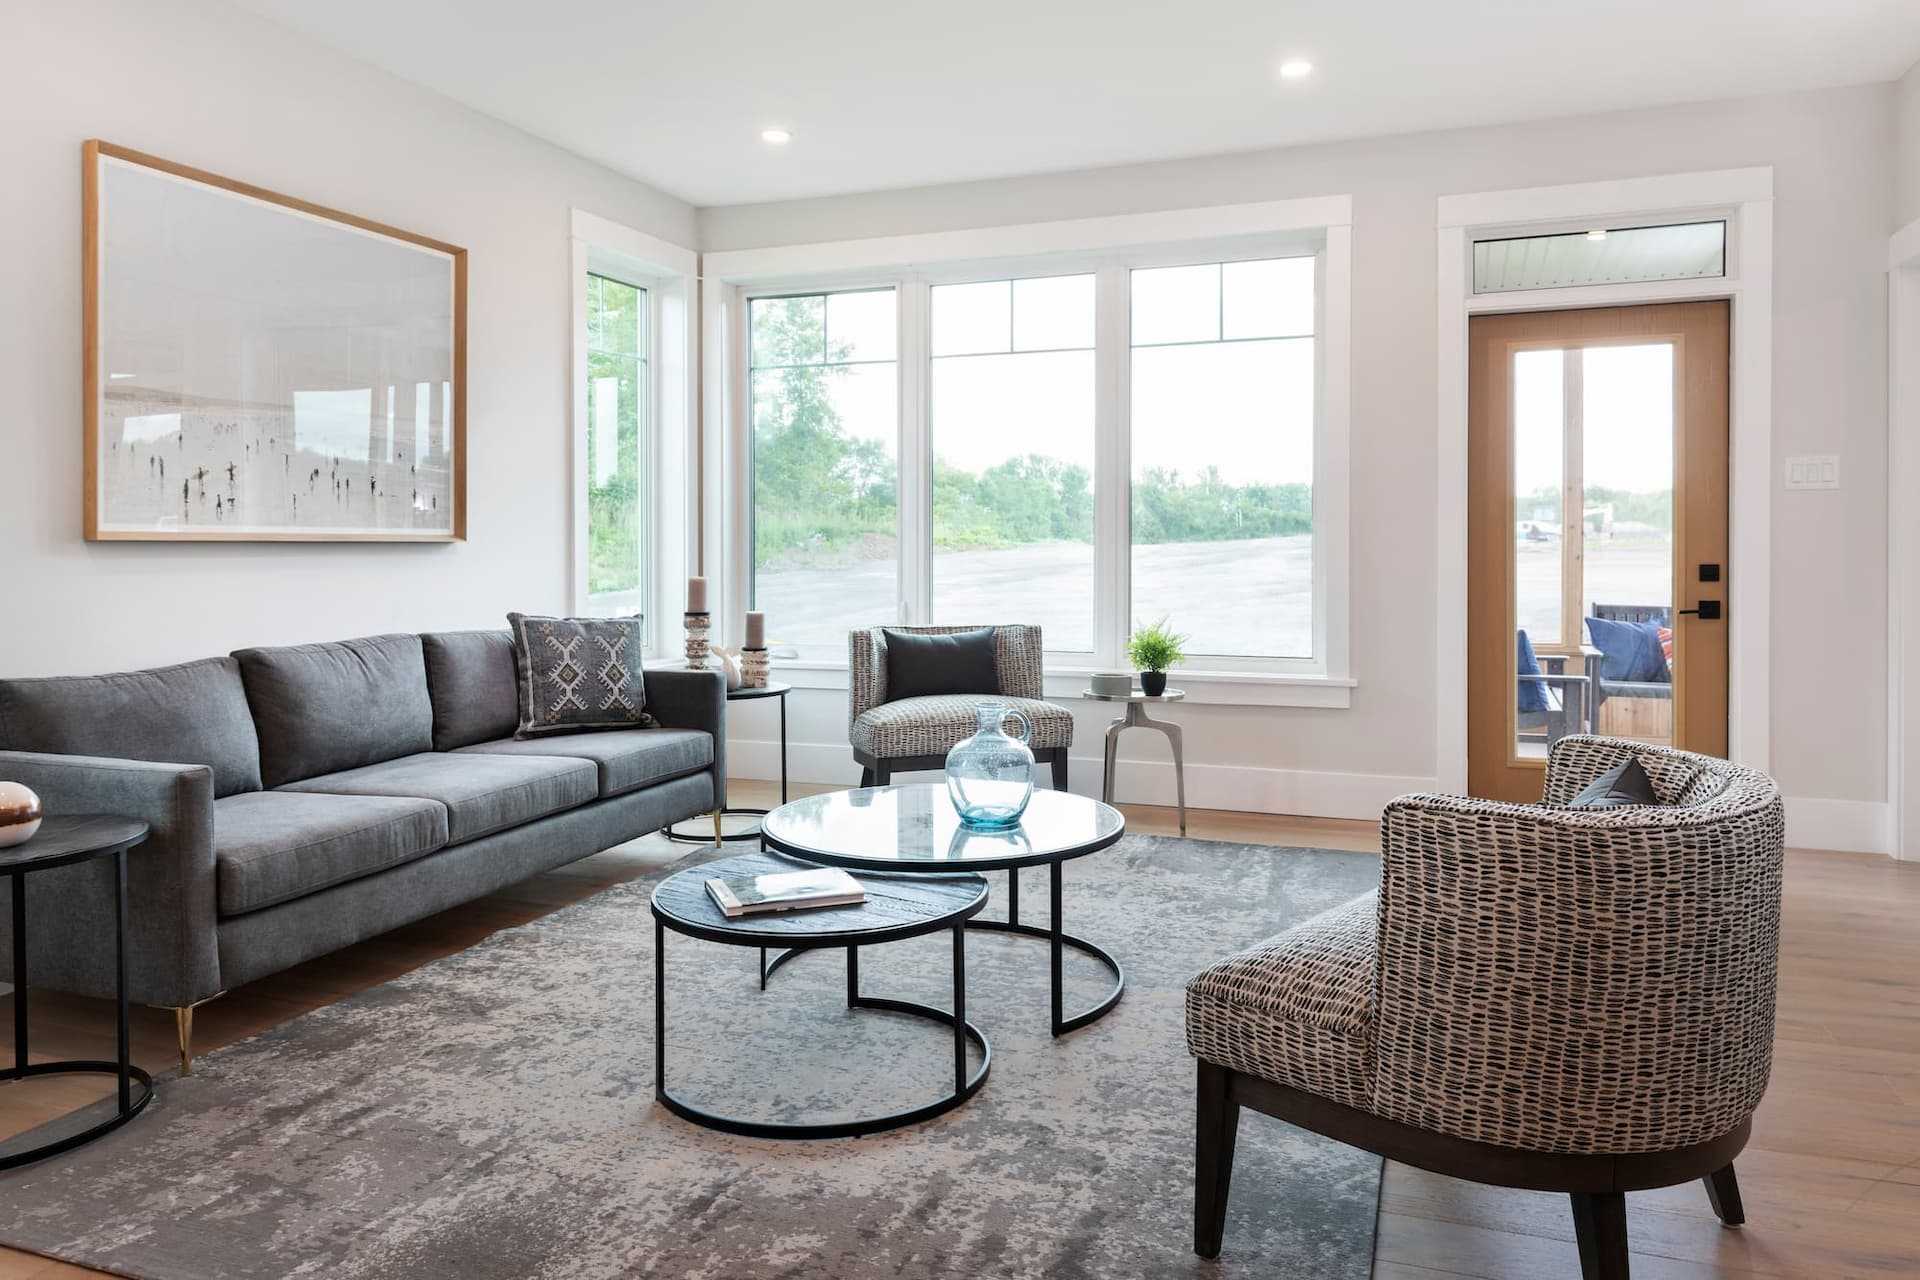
(1295, 69)
(776, 137)
(1598, 233)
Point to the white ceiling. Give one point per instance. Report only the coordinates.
(891, 93)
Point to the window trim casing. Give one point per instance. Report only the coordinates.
(669, 273)
(1107, 247)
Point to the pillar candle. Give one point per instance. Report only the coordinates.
(756, 630)
(696, 595)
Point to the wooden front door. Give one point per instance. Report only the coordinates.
(1597, 534)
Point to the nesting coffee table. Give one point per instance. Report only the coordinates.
(914, 830)
(897, 907)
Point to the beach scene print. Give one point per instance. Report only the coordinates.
(267, 371)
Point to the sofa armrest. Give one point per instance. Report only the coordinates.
(172, 953)
(683, 699)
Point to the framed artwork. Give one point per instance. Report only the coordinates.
(259, 368)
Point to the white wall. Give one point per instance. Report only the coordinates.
(216, 88)
(1831, 156)
(1906, 146)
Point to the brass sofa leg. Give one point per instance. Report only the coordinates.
(183, 1026)
(717, 842)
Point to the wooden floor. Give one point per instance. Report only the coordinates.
(1831, 1179)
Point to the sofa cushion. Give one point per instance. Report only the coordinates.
(1298, 1009)
(320, 708)
(194, 713)
(932, 726)
(470, 679)
(627, 759)
(274, 846)
(483, 793)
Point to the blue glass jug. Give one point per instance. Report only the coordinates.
(990, 775)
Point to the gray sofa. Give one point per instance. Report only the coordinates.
(307, 797)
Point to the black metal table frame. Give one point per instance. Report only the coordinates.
(744, 694)
(1056, 936)
(964, 1086)
(131, 1101)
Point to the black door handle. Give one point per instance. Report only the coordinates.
(1709, 611)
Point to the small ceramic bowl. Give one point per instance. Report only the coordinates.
(1113, 684)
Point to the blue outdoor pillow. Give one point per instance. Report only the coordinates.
(1629, 651)
(1532, 694)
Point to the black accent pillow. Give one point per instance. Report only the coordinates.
(1619, 787)
(921, 666)
(573, 674)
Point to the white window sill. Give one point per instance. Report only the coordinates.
(1203, 688)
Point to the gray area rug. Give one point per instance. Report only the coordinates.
(491, 1114)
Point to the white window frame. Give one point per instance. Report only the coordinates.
(1108, 248)
(669, 274)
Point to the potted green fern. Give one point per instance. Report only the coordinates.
(1153, 650)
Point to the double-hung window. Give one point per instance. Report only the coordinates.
(1086, 439)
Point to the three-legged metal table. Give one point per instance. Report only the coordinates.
(1137, 718)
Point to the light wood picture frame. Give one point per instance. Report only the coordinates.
(260, 368)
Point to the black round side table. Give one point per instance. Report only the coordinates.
(744, 694)
(897, 907)
(61, 842)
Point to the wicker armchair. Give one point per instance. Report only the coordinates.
(916, 733)
(1540, 997)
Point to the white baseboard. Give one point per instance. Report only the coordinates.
(1846, 826)
(1851, 826)
(1306, 793)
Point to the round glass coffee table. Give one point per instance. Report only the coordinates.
(897, 907)
(915, 830)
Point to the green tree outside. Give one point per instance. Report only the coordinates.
(823, 496)
(616, 365)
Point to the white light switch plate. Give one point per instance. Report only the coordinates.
(1814, 471)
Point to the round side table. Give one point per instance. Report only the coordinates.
(744, 694)
(1137, 718)
(61, 842)
(897, 907)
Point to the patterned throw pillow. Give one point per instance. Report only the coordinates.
(577, 673)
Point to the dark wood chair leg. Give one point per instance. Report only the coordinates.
(1600, 1225)
(1723, 1192)
(1060, 771)
(1218, 1124)
(882, 775)
(866, 776)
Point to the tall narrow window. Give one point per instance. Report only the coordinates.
(616, 446)
(825, 432)
(1013, 455)
(1224, 392)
